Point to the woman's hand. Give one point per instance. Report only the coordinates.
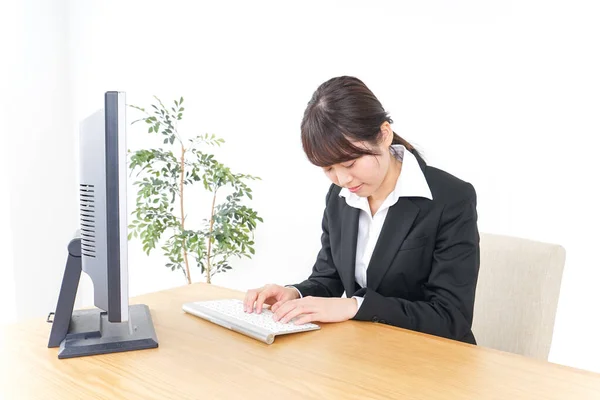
(315, 309)
(269, 294)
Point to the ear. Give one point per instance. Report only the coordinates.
(387, 134)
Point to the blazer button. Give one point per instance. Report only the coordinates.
(383, 321)
(375, 319)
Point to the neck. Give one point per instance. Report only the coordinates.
(389, 182)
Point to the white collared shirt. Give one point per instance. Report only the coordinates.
(411, 183)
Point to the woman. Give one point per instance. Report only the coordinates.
(400, 237)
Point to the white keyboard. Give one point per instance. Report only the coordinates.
(230, 314)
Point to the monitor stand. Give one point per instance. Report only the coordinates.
(88, 332)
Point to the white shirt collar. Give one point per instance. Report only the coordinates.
(411, 182)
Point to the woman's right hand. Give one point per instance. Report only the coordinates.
(268, 294)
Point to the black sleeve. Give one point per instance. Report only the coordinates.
(447, 308)
(324, 280)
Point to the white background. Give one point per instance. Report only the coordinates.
(502, 94)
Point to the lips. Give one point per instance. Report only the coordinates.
(355, 188)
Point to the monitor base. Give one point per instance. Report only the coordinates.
(90, 333)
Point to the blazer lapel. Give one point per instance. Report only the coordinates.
(349, 224)
(398, 222)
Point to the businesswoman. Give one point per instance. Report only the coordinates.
(399, 237)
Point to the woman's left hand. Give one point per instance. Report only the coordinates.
(315, 309)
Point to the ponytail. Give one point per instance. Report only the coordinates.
(398, 140)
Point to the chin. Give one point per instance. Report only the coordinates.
(363, 193)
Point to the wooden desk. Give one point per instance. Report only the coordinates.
(350, 360)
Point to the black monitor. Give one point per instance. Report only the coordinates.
(100, 247)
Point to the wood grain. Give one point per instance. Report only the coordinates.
(350, 360)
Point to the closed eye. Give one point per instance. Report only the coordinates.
(329, 169)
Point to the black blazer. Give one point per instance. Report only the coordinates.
(423, 271)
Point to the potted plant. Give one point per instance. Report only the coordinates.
(163, 175)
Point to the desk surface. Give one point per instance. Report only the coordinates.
(350, 360)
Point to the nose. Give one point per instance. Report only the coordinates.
(343, 178)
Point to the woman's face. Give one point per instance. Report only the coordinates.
(364, 175)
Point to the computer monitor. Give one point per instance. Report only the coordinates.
(100, 247)
(103, 211)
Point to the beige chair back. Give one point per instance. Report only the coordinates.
(517, 294)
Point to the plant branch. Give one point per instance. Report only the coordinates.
(210, 231)
(185, 256)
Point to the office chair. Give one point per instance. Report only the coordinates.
(517, 294)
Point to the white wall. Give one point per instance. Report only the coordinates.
(7, 281)
(40, 203)
(502, 94)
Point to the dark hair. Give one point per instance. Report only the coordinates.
(343, 110)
